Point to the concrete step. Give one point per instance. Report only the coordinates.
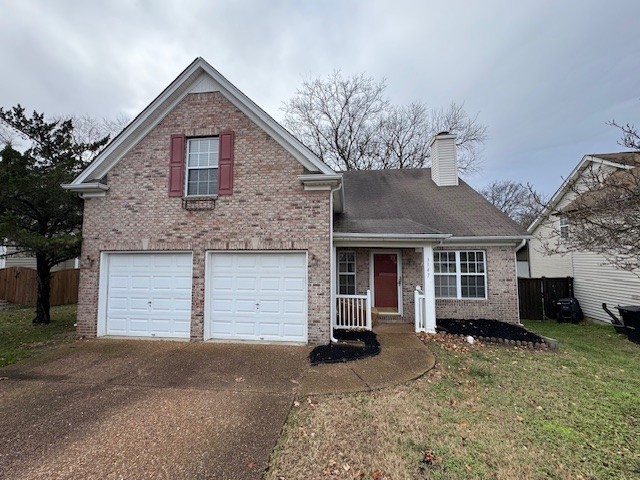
(391, 319)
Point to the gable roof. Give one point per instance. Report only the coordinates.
(408, 202)
(198, 77)
(621, 160)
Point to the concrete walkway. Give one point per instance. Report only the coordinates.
(403, 357)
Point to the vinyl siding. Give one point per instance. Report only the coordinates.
(24, 260)
(597, 282)
(540, 263)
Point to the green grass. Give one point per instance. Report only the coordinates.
(486, 412)
(19, 338)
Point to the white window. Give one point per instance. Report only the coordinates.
(460, 274)
(202, 166)
(564, 228)
(346, 273)
(445, 267)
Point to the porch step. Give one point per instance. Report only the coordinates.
(391, 319)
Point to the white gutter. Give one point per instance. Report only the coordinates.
(332, 266)
(522, 244)
(488, 238)
(392, 236)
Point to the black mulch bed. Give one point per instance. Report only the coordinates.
(358, 344)
(488, 328)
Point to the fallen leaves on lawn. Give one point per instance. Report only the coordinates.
(450, 342)
(428, 457)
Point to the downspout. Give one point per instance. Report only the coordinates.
(332, 265)
(518, 248)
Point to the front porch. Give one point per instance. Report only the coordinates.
(383, 285)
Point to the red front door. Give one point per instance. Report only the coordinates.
(385, 280)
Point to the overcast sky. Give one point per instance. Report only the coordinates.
(544, 76)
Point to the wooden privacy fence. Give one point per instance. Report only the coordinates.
(20, 285)
(538, 296)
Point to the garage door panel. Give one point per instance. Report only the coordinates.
(295, 261)
(165, 282)
(252, 295)
(223, 283)
(270, 284)
(149, 294)
(244, 306)
(269, 307)
(272, 329)
(292, 330)
(220, 306)
(293, 307)
(183, 305)
(294, 285)
(246, 261)
(245, 284)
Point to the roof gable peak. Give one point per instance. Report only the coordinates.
(198, 77)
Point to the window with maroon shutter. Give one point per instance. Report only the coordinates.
(226, 163)
(176, 165)
(202, 166)
(205, 169)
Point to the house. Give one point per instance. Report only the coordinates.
(595, 280)
(10, 258)
(205, 219)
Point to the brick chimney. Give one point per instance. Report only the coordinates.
(444, 164)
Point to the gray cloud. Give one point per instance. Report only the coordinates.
(544, 76)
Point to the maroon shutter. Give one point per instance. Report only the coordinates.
(225, 164)
(176, 166)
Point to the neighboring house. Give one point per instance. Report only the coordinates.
(206, 219)
(595, 280)
(8, 258)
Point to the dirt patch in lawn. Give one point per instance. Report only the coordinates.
(488, 329)
(351, 345)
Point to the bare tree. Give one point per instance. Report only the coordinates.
(88, 129)
(521, 203)
(604, 214)
(351, 125)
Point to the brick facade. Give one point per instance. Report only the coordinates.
(268, 210)
(502, 290)
(502, 287)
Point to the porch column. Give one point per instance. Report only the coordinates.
(429, 288)
(333, 287)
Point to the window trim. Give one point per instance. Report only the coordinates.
(459, 275)
(564, 226)
(354, 273)
(187, 168)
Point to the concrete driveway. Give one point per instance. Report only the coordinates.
(146, 409)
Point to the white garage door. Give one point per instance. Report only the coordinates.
(257, 296)
(148, 294)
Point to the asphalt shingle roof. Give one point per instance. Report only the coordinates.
(407, 201)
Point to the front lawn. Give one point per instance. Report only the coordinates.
(485, 411)
(19, 338)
